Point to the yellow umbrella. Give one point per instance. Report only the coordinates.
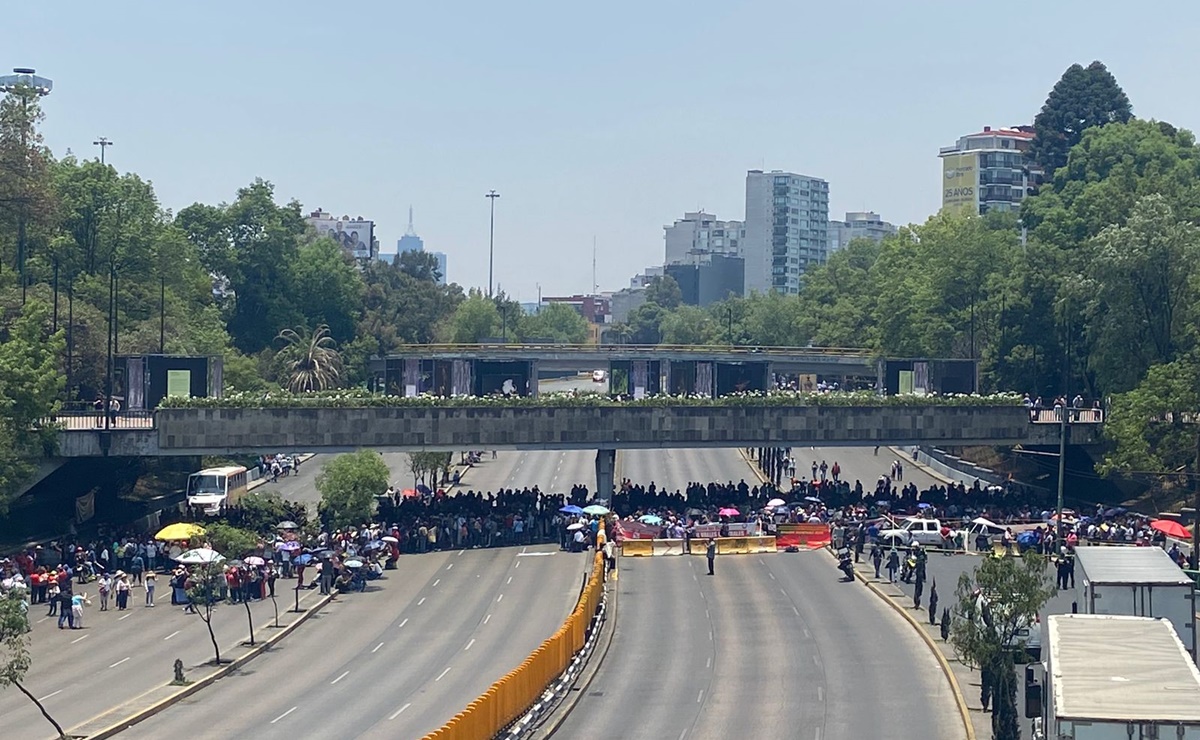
(179, 531)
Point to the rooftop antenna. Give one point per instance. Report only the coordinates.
(595, 286)
(411, 231)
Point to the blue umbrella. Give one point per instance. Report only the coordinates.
(1028, 537)
(650, 519)
(304, 559)
(571, 509)
(377, 544)
(923, 505)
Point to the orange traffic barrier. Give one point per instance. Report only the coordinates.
(511, 696)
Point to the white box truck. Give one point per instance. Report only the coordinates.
(1137, 582)
(1117, 678)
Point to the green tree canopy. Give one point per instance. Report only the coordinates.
(1081, 99)
(556, 321)
(349, 484)
(473, 319)
(664, 292)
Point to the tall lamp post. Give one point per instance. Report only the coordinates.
(103, 143)
(491, 196)
(28, 85)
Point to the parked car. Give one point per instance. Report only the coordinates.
(599, 376)
(928, 532)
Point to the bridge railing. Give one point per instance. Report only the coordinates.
(1075, 416)
(85, 420)
(648, 348)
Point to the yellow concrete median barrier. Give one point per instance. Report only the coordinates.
(512, 695)
(667, 547)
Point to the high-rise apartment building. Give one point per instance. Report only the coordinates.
(988, 171)
(698, 234)
(858, 225)
(786, 229)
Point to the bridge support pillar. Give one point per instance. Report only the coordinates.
(606, 463)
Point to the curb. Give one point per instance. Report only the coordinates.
(963, 710)
(563, 711)
(187, 691)
(762, 477)
(908, 460)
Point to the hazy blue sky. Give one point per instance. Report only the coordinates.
(600, 119)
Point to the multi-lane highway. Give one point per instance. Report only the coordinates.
(399, 662)
(771, 646)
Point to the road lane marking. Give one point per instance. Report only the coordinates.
(524, 550)
(47, 696)
(806, 632)
(518, 565)
(442, 674)
(168, 637)
(79, 639)
(422, 601)
(283, 715)
(460, 554)
(700, 696)
(710, 635)
(818, 733)
(782, 591)
(816, 661)
(339, 678)
(487, 619)
(119, 662)
(451, 565)
(820, 694)
(509, 580)
(762, 562)
(796, 610)
(403, 623)
(771, 574)
(399, 711)
(469, 644)
(683, 734)
(435, 583)
(499, 598)
(43, 619)
(377, 648)
(706, 614)
(708, 663)
(127, 616)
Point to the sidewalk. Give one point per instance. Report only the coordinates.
(237, 652)
(965, 681)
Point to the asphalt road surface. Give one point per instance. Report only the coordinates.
(398, 662)
(550, 471)
(771, 646)
(674, 469)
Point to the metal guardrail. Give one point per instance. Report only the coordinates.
(1076, 416)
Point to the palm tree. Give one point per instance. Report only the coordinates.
(312, 360)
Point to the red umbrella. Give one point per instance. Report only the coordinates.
(409, 493)
(1171, 528)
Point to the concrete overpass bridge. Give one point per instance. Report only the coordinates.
(605, 427)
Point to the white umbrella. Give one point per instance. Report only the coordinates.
(390, 539)
(200, 556)
(254, 560)
(595, 510)
(354, 563)
(575, 526)
(775, 502)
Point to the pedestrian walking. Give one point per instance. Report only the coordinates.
(151, 583)
(893, 564)
(710, 552)
(52, 593)
(104, 588)
(78, 601)
(876, 557)
(64, 610)
(122, 589)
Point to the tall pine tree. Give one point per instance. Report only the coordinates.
(1082, 98)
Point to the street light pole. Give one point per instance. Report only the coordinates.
(491, 196)
(24, 82)
(103, 143)
(108, 373)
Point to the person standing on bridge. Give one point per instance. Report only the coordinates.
(710, 552)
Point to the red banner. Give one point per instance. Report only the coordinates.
(637, 531)
(811, 536)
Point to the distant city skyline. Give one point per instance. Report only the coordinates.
(608, 134)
